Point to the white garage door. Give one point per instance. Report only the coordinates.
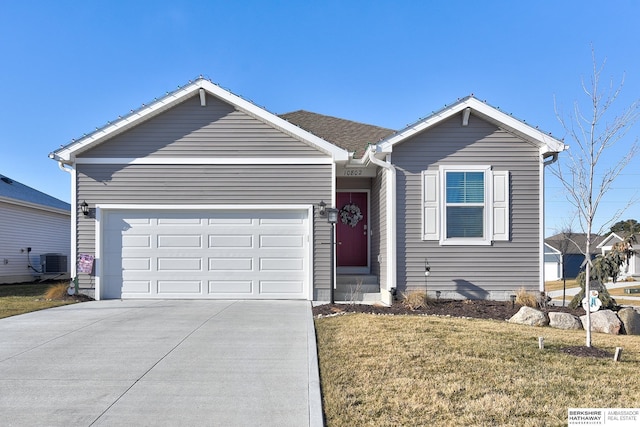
(240, 254)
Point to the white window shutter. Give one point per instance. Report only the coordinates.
(500, 205)
(430, 208)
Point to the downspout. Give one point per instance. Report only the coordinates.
(386, 294)
(543, 163)
(74, 214)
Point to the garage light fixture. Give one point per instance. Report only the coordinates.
(84, 207)
(322, 208)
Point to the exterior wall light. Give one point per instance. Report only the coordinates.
(322, 208)
(84, 207)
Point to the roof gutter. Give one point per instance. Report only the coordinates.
(387, 294)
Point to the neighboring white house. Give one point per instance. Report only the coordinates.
(35, 230)
(552, 263)
(626, 270)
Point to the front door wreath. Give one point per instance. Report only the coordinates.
(350, 214)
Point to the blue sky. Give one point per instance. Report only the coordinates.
(69, 67)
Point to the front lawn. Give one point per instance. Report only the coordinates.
(427, 371)
(26, 297)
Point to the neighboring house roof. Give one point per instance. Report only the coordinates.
(572, 243)
(68, 152)
(470, 104)
(617, 237)
(15, 192)
(352, 136)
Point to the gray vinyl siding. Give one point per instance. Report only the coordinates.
(24, 227)
(190, 130)
(211, 185)
(379, 261)
(470, 271)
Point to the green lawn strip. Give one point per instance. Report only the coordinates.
(24, 298)
(412, 370)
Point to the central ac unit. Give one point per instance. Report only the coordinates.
(53, 263)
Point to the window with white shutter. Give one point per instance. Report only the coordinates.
(465, 205)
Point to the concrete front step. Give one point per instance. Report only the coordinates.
(357, 288)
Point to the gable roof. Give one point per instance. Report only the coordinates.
(14, 192)
(67, 153)
(619, 237)
(352, 136)
(573, 242)
(547, 143)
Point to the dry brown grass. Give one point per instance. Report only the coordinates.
(23, 298)
(57, 291)
(433, 371)
(415, 300)
(557, 285)
(523, 297)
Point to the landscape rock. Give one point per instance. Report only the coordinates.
(564, 321)
(529, 316)
(631, 320)
(604, 321)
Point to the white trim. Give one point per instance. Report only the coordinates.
(102, 209)
(74, 223)
(488, 209)
(205, 161)
(358, 270)
(548, 143)
(70, 151)
(542, 225)
(606, 240)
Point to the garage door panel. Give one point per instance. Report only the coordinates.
(197, 254)
(221, 287)
(179, 241)
(179, 264)
(281, 287)
(230, 264)
(179, 287)
(230, 241)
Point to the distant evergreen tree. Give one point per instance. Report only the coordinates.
(629, 226)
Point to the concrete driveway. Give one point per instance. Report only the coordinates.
(150, 363)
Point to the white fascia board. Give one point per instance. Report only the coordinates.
(546, 142)
(69, 152)
(605, 242)
(208, 207)
(338, 154)
(205, 161)
(551, 249)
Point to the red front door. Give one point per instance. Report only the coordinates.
(351, 229)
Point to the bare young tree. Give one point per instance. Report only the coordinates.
(589, 169)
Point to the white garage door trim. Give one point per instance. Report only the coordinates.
(103, 211)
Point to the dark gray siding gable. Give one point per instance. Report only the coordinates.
(469, 271)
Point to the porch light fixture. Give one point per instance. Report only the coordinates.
(84, 207)
(322, 208)
(332, 215)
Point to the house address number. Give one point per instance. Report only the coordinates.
(352, 172)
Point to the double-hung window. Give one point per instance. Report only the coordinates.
(465, 205)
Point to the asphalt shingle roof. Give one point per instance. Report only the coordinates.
(557, 241)
(347, 134)
(11, 189)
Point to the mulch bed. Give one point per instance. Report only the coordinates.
(476, 309)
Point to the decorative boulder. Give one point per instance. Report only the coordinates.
(564, 321)
(529, 316)
(604, 321)
(631, 320)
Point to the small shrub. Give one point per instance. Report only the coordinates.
(57, 291)
(415, 300)
(525, 298)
